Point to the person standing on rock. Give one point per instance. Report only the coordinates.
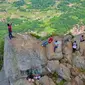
(55, 45)
(10, 30)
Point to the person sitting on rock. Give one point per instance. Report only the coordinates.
(56, 45)
(81, 38)
(45, 43)
(30, 77)
(37, 77)
(74, 45)
(48, 41)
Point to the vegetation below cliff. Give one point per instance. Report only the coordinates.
(47, 16)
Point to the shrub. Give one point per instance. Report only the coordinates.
(35, 35)
(41, 4)
(19, 3)
(1, 52)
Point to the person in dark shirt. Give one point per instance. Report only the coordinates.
(10, 30)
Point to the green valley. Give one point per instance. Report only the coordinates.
(48, 16)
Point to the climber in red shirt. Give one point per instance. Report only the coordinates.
(10, 30)
(50, 39)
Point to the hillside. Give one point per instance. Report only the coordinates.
(41, 15)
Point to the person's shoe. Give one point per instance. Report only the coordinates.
(13, 36)
(29, 80)
(32, 80)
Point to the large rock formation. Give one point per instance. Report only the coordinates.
(25, 52)
(22, 53)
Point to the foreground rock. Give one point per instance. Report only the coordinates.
(79, 81)
(22, 82)
(82, 48)
(67, 50)
(46, 81)
(79, 62)
(64, 72)
(53, 65)
(74, 71)
(3, 79)
(75, 81)
(22, 53)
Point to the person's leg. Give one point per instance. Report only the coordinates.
(74, 50)
(10, 35)
(55, 48)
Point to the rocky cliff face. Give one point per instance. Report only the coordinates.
(25, 52)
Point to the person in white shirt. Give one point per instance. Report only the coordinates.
(74, 46)
(56, 43)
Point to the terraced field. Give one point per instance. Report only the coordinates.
(41, 15)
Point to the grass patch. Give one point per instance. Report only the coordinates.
(82, 70)
(1, 52)
(61, 83)
(54, 77)
(42, 4)
(35, 35)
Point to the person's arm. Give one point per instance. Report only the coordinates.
(11, 23)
